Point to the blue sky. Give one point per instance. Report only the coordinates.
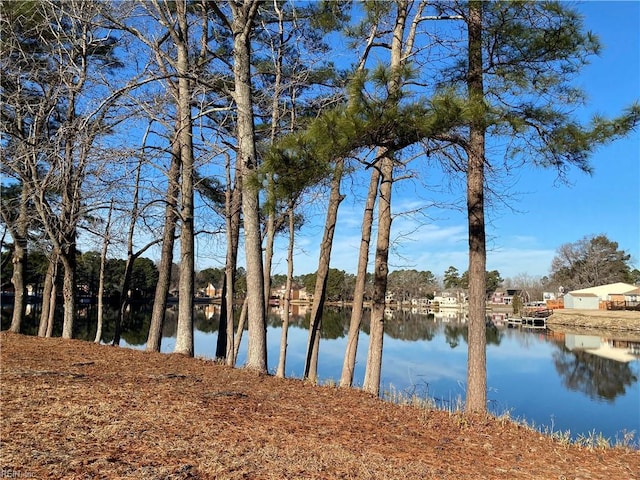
(545, 213)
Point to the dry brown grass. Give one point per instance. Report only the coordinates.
(73, 409)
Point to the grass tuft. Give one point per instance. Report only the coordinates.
(418, 397)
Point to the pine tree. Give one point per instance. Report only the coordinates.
(515, 79)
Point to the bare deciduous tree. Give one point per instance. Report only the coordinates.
(59, 97)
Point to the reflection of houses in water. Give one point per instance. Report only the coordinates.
(498, 318)
(452, 315)
(445, 316)
(298, 309)
(420, 302)
(449, 316)
(210, 309)
(295, 309)
(618, 350)
(420, 310)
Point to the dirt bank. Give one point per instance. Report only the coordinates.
(596, 319)
(76, 410)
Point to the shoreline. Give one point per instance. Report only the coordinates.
(621, 320)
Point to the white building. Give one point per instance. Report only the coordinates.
(455, 299)
(590, 298)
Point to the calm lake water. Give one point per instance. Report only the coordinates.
(556, 381)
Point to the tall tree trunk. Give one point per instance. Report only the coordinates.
(240, 329)
(221, 341)
(19, 260)
(125, 290)
(225, 332)
(320, 292)
(48, 294)
(154, 340)
(242, 27)
(103, 262)
(373, 369)
(184, 336)
(52, 307)
(125, 295)
(268, 251)
(275, 115)
(371, 382)
(69, 290)
(348, 367)
(282, 360)
(476, 400)
(230, 270)
(233, 206)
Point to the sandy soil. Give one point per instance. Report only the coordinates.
(76, 410)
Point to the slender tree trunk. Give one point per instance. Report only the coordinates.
(49, 296)
(52, 307)
(371, 382)
(240, 329)
(221, 342)
(275, 115)
(154, 340)
(230, 270)
(103, 262)
(46, 300)
(372, 375)
(268, 254)
(233, 237)
(125, 290)
(282, 360)
(72, 175)
(348, 367)
(233, 205)
(320, 292)
(476, 400)
(125, 295)
(184, 336)
(19, 260)
(69, 291)
(242, 26)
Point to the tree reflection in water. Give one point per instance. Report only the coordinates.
(597, 377)
(455, 332)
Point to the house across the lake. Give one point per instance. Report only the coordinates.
(506, 298)
(605, 297)
(298, 295)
